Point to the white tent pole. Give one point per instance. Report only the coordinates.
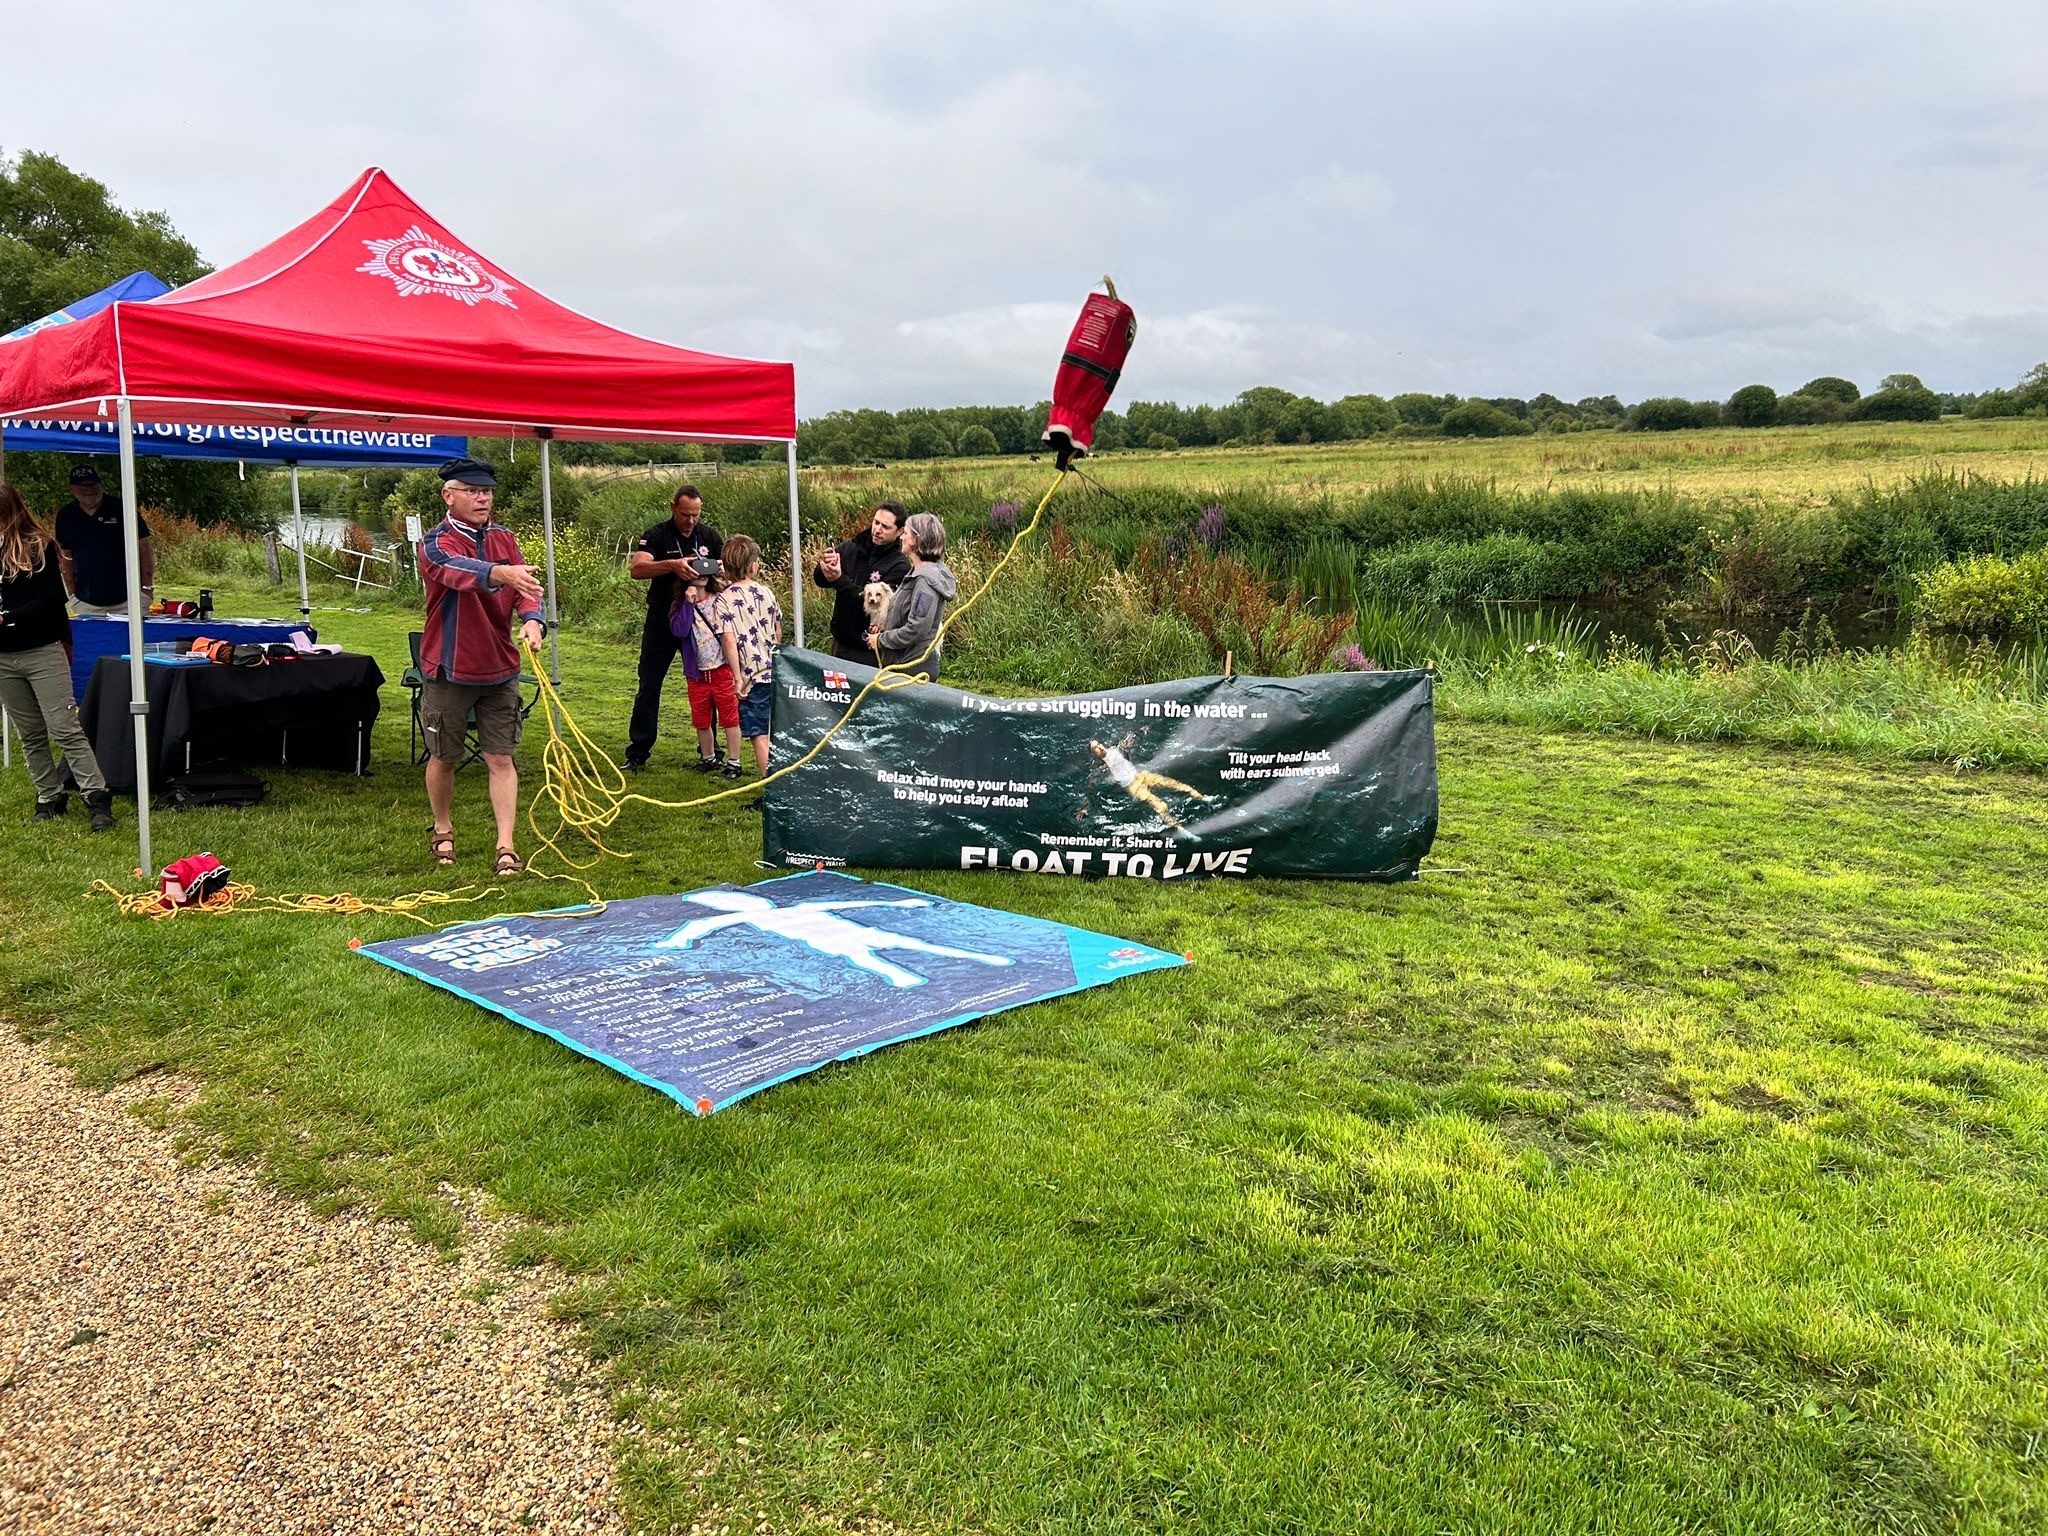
(138, 685)
(299, 543)
(547, 535)
(796, 551)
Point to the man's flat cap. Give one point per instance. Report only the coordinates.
(469, 472)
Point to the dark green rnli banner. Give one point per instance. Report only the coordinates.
(1332, 775)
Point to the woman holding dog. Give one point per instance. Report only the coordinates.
(35, 674)
(875, 553)
(910, 628)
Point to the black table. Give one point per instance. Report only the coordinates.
(308, 712)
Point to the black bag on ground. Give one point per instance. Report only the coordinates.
(189, 790)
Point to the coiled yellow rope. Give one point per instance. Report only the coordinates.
(586, 788)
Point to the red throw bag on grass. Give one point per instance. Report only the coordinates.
(1089, 369)
(191, 880)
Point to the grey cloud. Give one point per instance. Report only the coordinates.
(908, 198)
(1761, 313)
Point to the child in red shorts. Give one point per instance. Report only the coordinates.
(711, 662)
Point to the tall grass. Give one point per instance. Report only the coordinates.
(1448, 539)
(1425, 538)
(188, 554)
(1970, 705)
(1123, 600)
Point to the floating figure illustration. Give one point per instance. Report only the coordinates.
(812, 922)
(1142, 783)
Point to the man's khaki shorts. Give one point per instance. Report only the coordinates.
(444, 717)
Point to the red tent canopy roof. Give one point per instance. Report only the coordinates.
(372, 313)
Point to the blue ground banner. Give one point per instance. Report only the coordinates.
(715, 994)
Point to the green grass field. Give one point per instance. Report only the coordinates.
(1672, 1157)
(1789, 465)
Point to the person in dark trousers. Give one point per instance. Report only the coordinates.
(93, 547)
(875, 552)
(35, 675)
(659, 559)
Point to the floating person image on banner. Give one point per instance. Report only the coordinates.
(813, 923)
(1142, 783)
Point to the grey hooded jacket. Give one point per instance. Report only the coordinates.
(915, 613)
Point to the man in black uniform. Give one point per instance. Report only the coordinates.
(93, 549)
(658, 560)
(877, 550)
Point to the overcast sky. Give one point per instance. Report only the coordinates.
(909, 199)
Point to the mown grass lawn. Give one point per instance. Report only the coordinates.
(1676, 1158)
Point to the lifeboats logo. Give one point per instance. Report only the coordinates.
(417, 263)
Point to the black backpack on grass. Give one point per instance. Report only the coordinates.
(188, 791)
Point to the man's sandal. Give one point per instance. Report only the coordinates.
(442, 845)
(509, 863)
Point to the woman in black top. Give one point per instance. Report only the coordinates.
(35, 673)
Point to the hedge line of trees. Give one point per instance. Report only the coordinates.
(1269, 415)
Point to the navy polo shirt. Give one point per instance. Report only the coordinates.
(98, 550)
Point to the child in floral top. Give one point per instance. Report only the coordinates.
(756, 620)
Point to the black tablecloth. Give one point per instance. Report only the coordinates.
(94, 635)
(308, 712)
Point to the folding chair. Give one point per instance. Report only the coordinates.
(415, 681)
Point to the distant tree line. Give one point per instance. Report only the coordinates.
(1268, 415)
(2029, 397)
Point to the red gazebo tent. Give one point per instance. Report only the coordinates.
(371, 316)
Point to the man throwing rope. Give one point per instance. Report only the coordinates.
(477, 583)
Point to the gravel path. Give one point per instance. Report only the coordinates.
(181, 1350)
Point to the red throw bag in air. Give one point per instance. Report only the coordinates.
(1089, 369)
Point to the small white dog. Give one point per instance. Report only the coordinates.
(875, 598)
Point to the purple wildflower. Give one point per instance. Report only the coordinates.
(1209, 526)
(1002, 517)
(1352, 659)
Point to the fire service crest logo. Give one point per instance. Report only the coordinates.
(417, 263)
